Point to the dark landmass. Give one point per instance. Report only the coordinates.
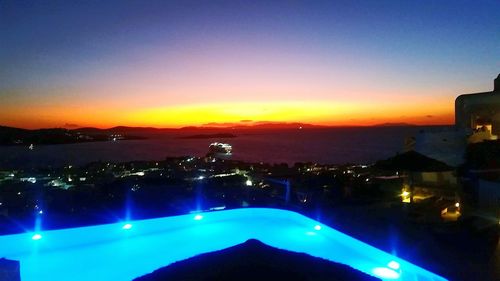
(393, 125)
(209, 136)
(17, 136)
(122, 130)
(257, 125)
(205, 127)
(254, 260)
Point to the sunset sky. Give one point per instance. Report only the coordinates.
(179, 63)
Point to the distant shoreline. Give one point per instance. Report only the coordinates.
(209, 136)
(73, 142)
(20, 137)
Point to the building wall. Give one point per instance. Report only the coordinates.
(441, 179)
(475, 109)
(489, 197)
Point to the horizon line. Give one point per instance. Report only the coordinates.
(284, 125)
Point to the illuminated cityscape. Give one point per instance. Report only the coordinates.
(249, 140)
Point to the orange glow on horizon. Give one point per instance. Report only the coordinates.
(326, 113)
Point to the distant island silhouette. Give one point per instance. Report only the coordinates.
(393, 125)
(19, 136)
(209, 136)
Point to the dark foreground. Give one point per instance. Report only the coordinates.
(254, 260)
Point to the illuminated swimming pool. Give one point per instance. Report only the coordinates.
(127, 250)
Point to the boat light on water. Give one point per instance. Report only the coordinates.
(105, 252)
(220, 150)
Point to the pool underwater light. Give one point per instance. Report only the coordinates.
(385, 273)
(127, 226)
(393, 265)
(36, 236)
(278, 228)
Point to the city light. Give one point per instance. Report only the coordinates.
(457, 205)
(198, 217)
(127, 226)
(317, 227)
(405, 197)
(36, 236)
(248, 183)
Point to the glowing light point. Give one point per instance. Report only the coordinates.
(127, 226)
(385, 273)
(36, 236)
(198, 217)
(317, 227)
(457, 204)
(393, 265)
(248, 183)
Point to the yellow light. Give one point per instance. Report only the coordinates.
(405, 197)
(457, 204)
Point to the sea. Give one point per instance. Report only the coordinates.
(342, 145)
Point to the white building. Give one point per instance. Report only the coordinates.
(477, 118)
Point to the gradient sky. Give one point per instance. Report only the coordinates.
(178, 63)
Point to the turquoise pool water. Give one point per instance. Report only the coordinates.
(126, 250)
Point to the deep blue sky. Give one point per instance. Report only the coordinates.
(60, 54)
